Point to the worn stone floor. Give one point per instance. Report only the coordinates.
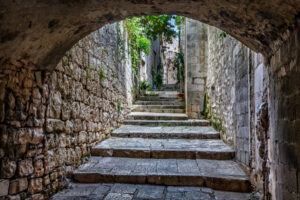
(143, 192)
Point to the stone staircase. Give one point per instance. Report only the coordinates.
(159, 145)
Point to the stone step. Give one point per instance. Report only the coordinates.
(158, 110)
(165, 102)
(157, 98)
(157, 116)
(157, 107)
(184, 132)
(216, 174)
(160, 92)
(169, 87)
(189, 122)
(117, 191)
(163, 148)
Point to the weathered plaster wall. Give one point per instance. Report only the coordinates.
(50, 120)
(195, 57)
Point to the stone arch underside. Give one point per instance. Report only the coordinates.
(41, 31)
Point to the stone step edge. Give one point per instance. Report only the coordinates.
(162, 153)
(149, 117)
(158, 106)
(215, 135)
(167, 122)
(158, 110)
(238, 184)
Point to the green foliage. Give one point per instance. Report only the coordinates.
(207, 114)
(143, 44)
(179, 65)
(102, 76)
(143, 29)
(223, 34)
(157, 79)
(144, 85)
(119, 107)
(155, 25)
(205, 111)
(137, 42)
(89, 69)
(132, 90)
(105, 51)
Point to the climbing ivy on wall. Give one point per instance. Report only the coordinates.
(137, 42)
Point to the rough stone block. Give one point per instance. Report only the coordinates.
(18, 185)
(38, 168)
(4, 185)
(37, 136)
(8, 168)
(25, 167)
(54, 125)
(35, 186)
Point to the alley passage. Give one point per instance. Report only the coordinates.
(156, 154)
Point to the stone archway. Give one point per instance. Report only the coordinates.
(41, 32)
(38, 33)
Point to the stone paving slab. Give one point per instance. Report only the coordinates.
(188, 132)
(166, 123)
(163, 148)
(157, 116)
(117, 191)
(165, 102)
(220, 175)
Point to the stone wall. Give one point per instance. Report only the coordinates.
(168, 53)
(283, 138)
(150, 62)
(221, 79)
(50, 120)
(195, 57)
(255, 103)
(236, 82)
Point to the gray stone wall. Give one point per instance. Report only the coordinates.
(231, 87)
(255, 104)
(284, 119)
(168, 53)
(195, 41)
(50, 120)
(241, 65)
(235, 90)
(221, 80)
(150, 62)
